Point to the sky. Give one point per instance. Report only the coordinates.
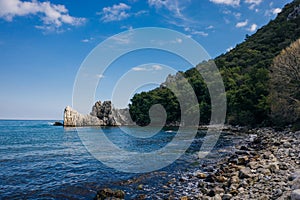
(44, 43)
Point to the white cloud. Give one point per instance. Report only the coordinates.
(140, 69)
(157, 67)
(195, 32)
(152, 68)
(141, 12)
(126, 27)
(125, 38)
(229, 49)
(252, 28)
(227, 2)
(200, 33)
(52, 15)
(177, 41)
(87, 40)
(272, 11)
(253, 3)
(241, 24)
(275, 11)
(116, 12)
(210, 27)
(252, 6)
(176, 7)
(177, 15)
(237, 15)
(158, 3)
(256, 2)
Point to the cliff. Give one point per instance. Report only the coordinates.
(103, 114)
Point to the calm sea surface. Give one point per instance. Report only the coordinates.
(41, 161)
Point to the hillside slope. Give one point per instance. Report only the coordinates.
(245, 71)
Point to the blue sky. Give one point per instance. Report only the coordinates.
(43, 43)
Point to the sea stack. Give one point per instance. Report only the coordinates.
(103, 114)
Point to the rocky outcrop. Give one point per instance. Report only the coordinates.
(103, 114)
(74, 118)
(103, 111)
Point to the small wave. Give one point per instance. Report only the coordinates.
(169, 131)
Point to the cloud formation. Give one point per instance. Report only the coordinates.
(252, 28)
(241, 24)
(52, 15)
(275, 11)
(152, 68)
(256, 2)
(116, 12)
(173, 6)
(227, 2)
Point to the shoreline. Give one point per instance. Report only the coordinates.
(265, 165)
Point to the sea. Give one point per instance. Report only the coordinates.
(42, 161)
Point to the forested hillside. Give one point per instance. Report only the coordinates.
(246, 75)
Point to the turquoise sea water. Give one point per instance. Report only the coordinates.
(41, 161)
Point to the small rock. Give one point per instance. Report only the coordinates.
(201, 175)
(221, 179)
(294, 175)
(226, 196)
(296, 184)
(278, 193)
(241, 190)
(245, 173)
(264, 171)
(287, 144)
(142, 196)
(252, 165)
(184, 198)
(109, 193)
(273, 167)
(58, 124)
(283, 166)
(140, 187)
(211, 193)
(244, 148)
(267, 154)
(217, 197)
(234, 179)
(242, 160)
(210, 178)
(218, 190)
(295, 195)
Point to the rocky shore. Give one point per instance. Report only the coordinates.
(266, 165)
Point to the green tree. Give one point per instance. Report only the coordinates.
(285, 86)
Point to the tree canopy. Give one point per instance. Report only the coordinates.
(245, 72)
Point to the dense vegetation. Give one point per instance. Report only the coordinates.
(285, 86)
(245, 72)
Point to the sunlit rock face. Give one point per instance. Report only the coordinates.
(103, 114)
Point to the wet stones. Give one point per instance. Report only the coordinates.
(108, 193)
